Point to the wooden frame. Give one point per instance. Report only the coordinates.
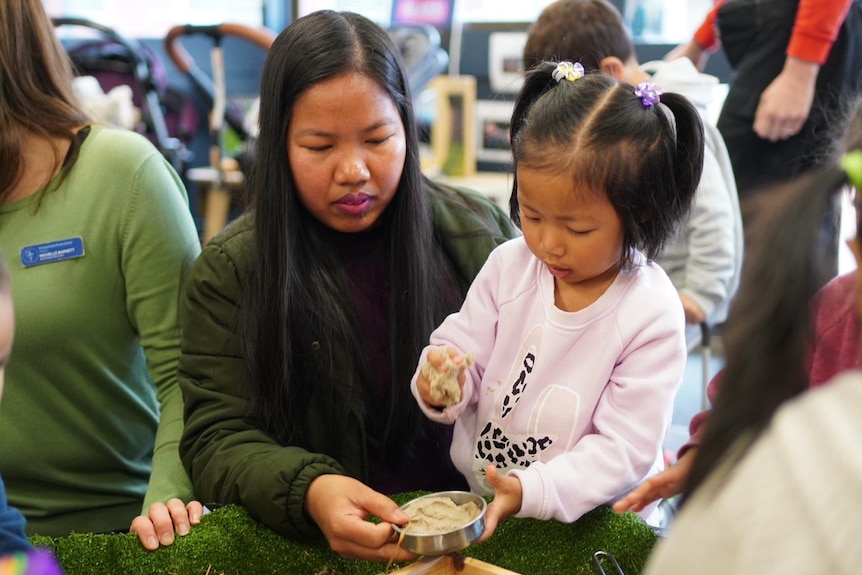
(456, 109)
(447, 565)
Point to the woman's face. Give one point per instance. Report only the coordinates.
(346, 146)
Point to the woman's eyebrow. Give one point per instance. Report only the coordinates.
(319, 132)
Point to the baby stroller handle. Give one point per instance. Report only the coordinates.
(263, 37)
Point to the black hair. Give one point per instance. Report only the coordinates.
(298, 285)
(585, 31)
(768, 333)
(646, 159)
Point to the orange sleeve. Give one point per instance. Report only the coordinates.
(816, 28)
(706, 35)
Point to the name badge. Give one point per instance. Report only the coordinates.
(52, 252)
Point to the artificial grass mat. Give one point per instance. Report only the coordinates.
(229, 542)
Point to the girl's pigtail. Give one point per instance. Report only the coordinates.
(537, 81)
(689, 150)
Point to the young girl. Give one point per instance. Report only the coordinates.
(577, 338)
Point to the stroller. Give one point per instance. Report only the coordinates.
(222, 182)
(167, 117)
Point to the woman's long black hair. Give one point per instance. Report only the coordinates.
(298, 304)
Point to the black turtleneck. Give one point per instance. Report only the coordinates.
(366, 263)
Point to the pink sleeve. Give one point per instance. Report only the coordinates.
(835, 346)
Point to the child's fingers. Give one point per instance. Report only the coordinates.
(501, 482)
(490, 526)
(491, 475)
(437, 357)
(454, 355)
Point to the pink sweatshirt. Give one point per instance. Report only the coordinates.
(835, 347)
(574, 404)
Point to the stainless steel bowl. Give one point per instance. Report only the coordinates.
(449, 541)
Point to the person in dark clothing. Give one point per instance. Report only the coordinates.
(796, 68)
(303, 319)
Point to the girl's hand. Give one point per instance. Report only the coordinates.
(340, 505)
(158, 526)
(439, 359)
(507, 499)
(666, 484)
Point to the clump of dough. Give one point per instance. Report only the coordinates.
(431, 515)
(444, 384)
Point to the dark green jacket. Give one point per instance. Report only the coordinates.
(229, 459)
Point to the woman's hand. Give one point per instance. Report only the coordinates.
(785, 104)
(662, 486)
(340, 506)
(507, 499)
(162, 520)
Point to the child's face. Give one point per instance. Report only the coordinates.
(347, 146)
(7, 332)
(576, 233)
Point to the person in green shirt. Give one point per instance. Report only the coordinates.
(98, 235)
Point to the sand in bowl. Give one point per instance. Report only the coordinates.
(431, 515)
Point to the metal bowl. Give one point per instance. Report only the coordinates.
(448, 541)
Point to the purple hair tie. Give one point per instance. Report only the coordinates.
(648, 93)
